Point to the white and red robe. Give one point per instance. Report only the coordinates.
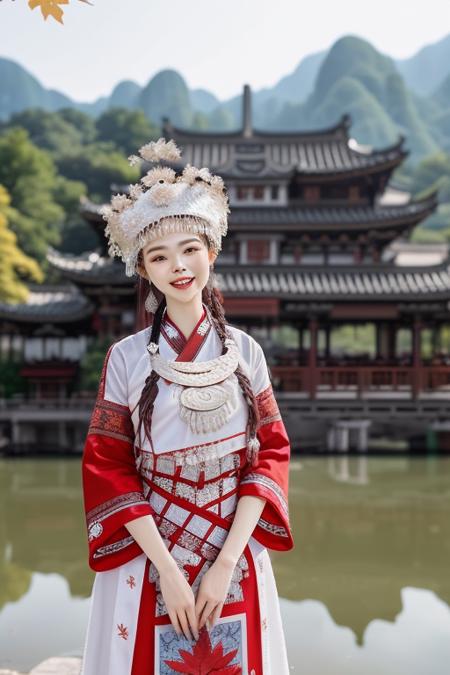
(190, 484)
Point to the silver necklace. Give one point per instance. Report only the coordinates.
(207, 388)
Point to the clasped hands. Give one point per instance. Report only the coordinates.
(188, 614)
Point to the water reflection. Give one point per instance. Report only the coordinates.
(47, 620)
(417, 642)
(366, 589)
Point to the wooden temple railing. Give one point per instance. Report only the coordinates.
(361, 378)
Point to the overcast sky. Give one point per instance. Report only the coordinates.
(215, 45)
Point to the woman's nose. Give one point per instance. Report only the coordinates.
(178, 265)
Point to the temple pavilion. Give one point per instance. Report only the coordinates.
(317, 233)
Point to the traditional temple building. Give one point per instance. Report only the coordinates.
(313, 246)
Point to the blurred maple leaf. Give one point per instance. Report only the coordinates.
(52, 7)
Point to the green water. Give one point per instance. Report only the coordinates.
(365, 591)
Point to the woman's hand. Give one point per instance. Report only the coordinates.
(180, 601)
(213, 591)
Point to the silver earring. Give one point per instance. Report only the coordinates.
(151, 303)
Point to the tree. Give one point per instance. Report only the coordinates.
(433, 173)
(98, 165)
(29, 175)
(14, 264)
(84, 123)
(127, 129)
(48, 130)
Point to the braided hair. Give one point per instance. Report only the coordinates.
(212, 298)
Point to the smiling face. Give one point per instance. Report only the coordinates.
(178, 265)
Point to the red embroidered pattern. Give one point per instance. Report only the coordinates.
(114, 505)
(112, 419)
(123, 631)
(267, 407)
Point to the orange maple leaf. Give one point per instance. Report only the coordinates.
(52, 7)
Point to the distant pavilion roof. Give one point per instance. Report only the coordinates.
(307, 282)
(56, 304)
(89, 268)
(327, 217)
(342, 283)
(257, 153)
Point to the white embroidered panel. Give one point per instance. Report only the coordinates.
(198, 526)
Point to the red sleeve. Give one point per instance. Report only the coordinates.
(112, 487)
(269, 477)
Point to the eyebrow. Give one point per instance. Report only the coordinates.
(181, 243)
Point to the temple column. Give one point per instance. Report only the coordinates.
(300, 344)
(392, 341)
(435, 339)
(417, 357)
(327, 342)
(15, 432)
(383, 340)
(62, 435)
(342, 436)
(312, 357)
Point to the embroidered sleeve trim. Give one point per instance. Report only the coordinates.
(112, 506)
(267, 407)
(113, 548)
(278, 530)
(102, 383)
(112, 419)
(268, 483)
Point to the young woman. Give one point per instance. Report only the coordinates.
(185, 468)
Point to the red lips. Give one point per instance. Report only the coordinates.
(182, 282)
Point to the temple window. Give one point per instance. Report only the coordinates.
(258, 250)
(311, 193)
(244, 192)
(353, 193)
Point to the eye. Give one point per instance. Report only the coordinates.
(191, 248)
(158, 258)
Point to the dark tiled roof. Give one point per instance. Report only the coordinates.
(90, 268)
(386, 282)
(301, 217)
(280, 153)
(57, 304)
(327, 217)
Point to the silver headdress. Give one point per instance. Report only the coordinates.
(162, 201)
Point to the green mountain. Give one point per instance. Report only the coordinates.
(167, 95)
(125, 95)
(203, 101)
(20, 90)
(441, 95)
(425, 71)
(352, 77)
(355, 78)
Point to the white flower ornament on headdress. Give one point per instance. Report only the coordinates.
(156, 151)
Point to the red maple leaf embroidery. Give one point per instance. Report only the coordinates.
(205, 660)
(131, 581)
(123, 631)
